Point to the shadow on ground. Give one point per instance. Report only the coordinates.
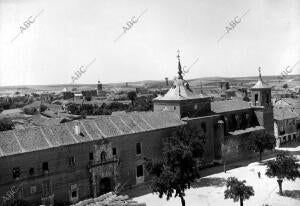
(209, 181)
(295, 194)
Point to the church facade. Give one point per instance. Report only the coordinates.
(86, 158)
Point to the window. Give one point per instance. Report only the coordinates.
(32, 189)
(203, 127)
(114, 151)
(74, 193)
(91, 155)
(255, 99)
(174, 108)
(45, 167)
(195, 106)
(103, 156)
(138, 148)
(72, 161)
(31, 171)
(139, 171)
(16, 172)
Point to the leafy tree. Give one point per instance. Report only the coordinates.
(30, 110)
(132, 96)
(178, 168)
(237, 190)
(6, 124)
(283, 167)
(43, 107)
(260, 141)
(285, 86)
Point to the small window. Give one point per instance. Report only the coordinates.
(203, 127)
(31, 171)
(72, 161)
(196, 106)
(45, 167)
(255, 99)
(103, 156)
(114, 151)
(174, 108)
(139, 171)
(16, 172)
(32, 189)
(138, 148)
(91, 155)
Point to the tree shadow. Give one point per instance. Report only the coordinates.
(295, 194)
(209, 181)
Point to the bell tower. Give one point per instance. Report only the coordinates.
(181, 99)
(262, 104)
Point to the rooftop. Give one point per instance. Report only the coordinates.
(44, 137)
(260, 84)
(229, 105)
(282, 113)
(180, 89)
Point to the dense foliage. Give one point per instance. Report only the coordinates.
(283, 167)
(237, 190)
(132, 96)
(179, 166)
(260, 141)
(6, 124)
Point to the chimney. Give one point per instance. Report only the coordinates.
(77, 130)
(167, 81)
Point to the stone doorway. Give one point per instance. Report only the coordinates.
(105, 185)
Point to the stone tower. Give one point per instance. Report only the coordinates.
(182, 100)
(262, 104)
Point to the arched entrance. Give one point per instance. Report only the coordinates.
(105, 185)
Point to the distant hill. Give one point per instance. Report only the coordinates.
(292, 80)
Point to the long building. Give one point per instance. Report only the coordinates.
(86, 158)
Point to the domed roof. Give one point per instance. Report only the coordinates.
(180, 89)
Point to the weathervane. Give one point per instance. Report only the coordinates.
(259, 71)
(179, 66)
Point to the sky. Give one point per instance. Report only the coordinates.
(69, 35)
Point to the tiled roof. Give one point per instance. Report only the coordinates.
(229, 105)
(43, 137)
(284, 113)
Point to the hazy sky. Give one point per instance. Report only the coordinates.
(69, 34)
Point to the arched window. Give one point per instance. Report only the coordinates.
(103, 156)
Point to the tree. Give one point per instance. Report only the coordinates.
(260, 141)
(6, 124)
(132, 96)
(179, 165)
(283, 167)
(285, 86)
(43, 107)
(237, 190)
